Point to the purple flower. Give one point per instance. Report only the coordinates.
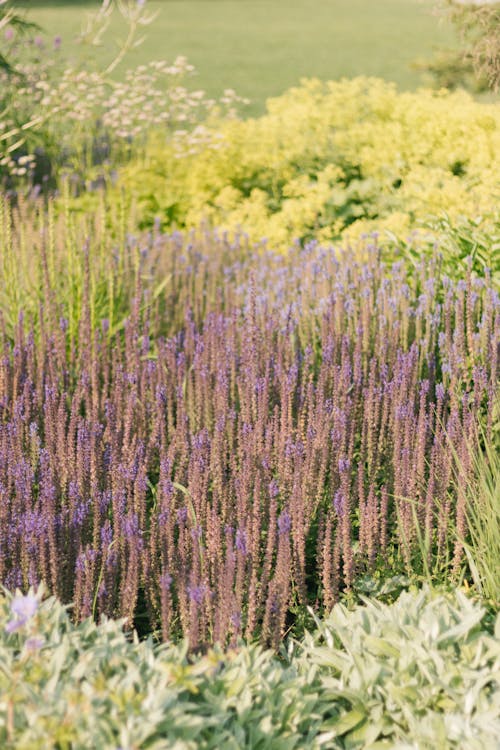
(344, 465)
(131, 528)
(34, 643)
(196, 593)
(339, 503)
(241, 541)
(57, 42)
(106, 534)
(23, 608)
(236, 620)
(284, 523)
(9, 33)
(274, 489)
(166, 581)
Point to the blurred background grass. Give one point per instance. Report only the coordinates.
(262, 47)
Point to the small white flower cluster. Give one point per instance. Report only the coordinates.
(81, 106)
(190, 142)
(20, 98)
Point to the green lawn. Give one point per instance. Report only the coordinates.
(261, 47)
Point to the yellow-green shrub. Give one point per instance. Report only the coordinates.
(329, 159)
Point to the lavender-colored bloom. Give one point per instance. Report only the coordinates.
(131, 527)
(339, 503)
(344, 465)
(274, 489)
(57, 42)
(284, 523)
(440, 391)
(166, 581)
(34, 643)
(196, 593)
(80, 563)
(106, 534)
(80, 513)
(241, 541)
(23, 608)
(236, 620)
(161, 395)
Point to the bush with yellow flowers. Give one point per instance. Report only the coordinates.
(329, 159)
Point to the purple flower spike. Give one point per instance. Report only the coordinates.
(166, 581)
(344, 465)
(274, 489)
(284, 523)
(338, 503)
(236, 620)
(196, 593)
(241, 542)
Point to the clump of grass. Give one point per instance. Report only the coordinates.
(482, 542)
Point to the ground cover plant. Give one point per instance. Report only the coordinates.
(256, 434)
(429, 671)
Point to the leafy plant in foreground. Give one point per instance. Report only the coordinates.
(422, 672)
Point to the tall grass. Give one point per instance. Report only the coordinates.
(482, 539)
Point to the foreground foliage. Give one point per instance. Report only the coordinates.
(425, 667)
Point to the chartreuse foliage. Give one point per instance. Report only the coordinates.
(425, 668)
(327, 159)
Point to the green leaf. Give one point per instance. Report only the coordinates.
(344, 723)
